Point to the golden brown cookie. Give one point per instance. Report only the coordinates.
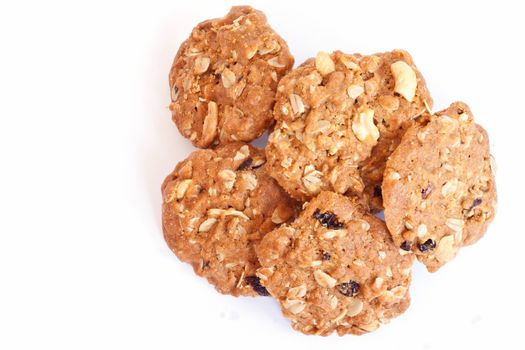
(335, 268)
(339, 117)
(224, 77)
(439, 190)
(217, 204)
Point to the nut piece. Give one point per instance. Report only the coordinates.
(324, 63)
(406, 81)
(445, 250)
(201, 64)
(228, 78)
(364, 128)
(324, 279)
(207, 224)
(209, 127)
(297, 104)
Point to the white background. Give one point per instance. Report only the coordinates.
(86, 140)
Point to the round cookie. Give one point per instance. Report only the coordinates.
(224, 77)
(339, 117)
(335, 268)
(217, 204)
(439, 190)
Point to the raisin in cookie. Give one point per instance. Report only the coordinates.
(438, 189)
(335, 268)
(224, 77)
(217, 205)
(339, 117)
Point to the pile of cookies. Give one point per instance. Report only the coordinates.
(350, 135)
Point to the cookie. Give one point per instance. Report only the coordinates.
(439, 191)
(217, 204)
(335, 268)
(339, 117)
(224, 77)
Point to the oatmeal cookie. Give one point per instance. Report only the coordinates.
(439, 190)
(217, 204)
(224, 77)
(335, 268)
(339, 117)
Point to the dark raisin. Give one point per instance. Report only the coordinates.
(460, 111)
(205, 264)
(328, 219)
(326, 256)
(255, 283)
(406, 245)
(349, 289)
(427, 245)
(425, 192)
(245, 164)
(377, 191)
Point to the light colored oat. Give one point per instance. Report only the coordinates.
(405, 80)
(251, 181)
(297, 104)
(264, 273)
(382, 254)
(276, 218)
(274, 62)
(422, 230)
(207, 224)
(449, 187)
(312, 179)
(394, 175)
(242, 153)
(296, 292)
(324, 279)
(333, 302)
(354, 91)
(228, 78)
(354, 308)
(209, 128)
(201, 64)
(364, 128)
(182, 187)
(294, 306)
(378, 283)
(445, 250)
(329, 234)
(324, 63)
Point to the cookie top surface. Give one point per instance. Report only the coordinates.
(335, 268)
(337, 112)
(224, 77)
(216, 205)
(439, 190)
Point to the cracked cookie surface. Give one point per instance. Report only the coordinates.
(339, 117)
(335, 268)
(217, 204)
(439, 188)
(224, 77)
